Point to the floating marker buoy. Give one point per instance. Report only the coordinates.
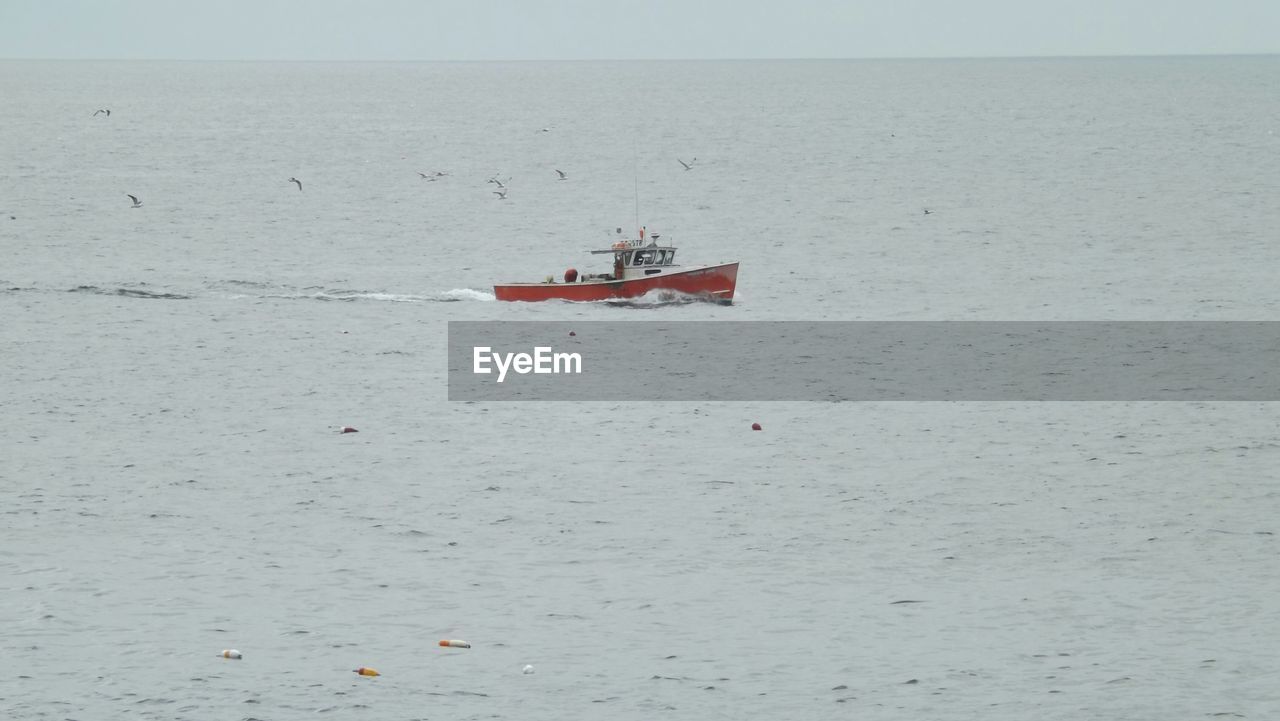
(348, 429)
(231, 653)
(527, 669)
(366, 671)
(571, 333)
(455, 644)
(756, 427)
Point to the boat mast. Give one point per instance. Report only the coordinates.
(635, 177)
(638, 204)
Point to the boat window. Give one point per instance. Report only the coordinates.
(626, 259)
(644, 257)
(671, 257)
(662, 258)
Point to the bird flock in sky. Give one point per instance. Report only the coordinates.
(501, 192)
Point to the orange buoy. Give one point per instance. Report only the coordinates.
(348, 429)
(231, 653)
(366, 671)
(455, 644)
(756, 427)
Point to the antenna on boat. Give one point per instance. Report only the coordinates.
(637, 202)
(635, 176)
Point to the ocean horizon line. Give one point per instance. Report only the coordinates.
(868, 58)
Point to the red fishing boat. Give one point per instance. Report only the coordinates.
(638, 268)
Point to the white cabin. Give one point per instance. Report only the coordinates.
(634, 259)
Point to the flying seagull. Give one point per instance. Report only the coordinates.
(687, 166)
(502, 194)
(562, 175)
(102, 110)
(497, 182)
(136, 203)
(295, 180)
(928, 212)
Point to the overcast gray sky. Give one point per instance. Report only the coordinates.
(626, 29)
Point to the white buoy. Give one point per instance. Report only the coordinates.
(231, 653)
(528, 668)
(449, 643)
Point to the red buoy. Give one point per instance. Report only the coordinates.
(348, 429)
(571, 275)
(571, 333)
(756, 427)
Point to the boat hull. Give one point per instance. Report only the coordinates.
(715, 282)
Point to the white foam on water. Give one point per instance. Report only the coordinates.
(466, 294)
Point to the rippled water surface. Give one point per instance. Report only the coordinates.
(174, 376)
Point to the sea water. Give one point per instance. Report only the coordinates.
(174, 375)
